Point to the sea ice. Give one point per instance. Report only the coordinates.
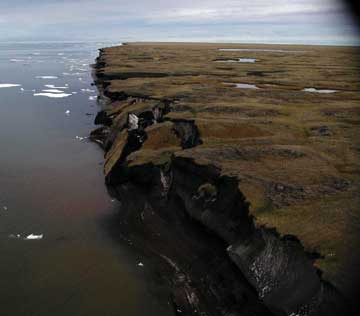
(53, 91)
(46, 77)
(51, 86)
(52, 95)
(16, 60)
(34, 237)
(9, 85)
(93, 98)
(87, 90)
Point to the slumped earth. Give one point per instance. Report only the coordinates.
(294, 153)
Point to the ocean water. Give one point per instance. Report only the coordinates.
(56, 254)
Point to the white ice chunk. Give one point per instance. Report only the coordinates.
(51, 86)
(67, 112)
(140, 264)
(93, 98)
(9, 85)
(52, 95)
(14, 60)
(34, 237)
(53, 91)
(46, 77)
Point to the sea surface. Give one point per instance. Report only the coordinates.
(57, 256)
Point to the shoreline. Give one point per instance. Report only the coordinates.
(164, 175)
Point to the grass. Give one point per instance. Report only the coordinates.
(298, 180)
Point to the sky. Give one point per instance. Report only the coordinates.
(327, 22)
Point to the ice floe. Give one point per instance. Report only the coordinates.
(93, 97)
(319, 90)
(9, 85)
(14, 60)
(47, 77)
(52, 95)
(34, 237)
(87, 90)
(53, 91)
(14, 236)
(51, 86)
(80, 138)
(67, 112)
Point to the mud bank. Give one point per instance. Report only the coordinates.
(188, 215)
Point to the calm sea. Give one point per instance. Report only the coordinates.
(56, 255)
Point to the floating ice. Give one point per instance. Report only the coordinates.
(53, 90)
(34, 237)
(67, 112)
(13, 236)
(140, 264)
(16, 60)
(80, 138)
(87, 90)
(93, 98)
(319, 90)
(52, 95)
(51, 86)
(46, 77)
(9, 85)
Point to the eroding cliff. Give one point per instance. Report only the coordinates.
(203, 173)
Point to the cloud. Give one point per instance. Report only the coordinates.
(147, 19)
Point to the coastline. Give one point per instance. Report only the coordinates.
(156, 167)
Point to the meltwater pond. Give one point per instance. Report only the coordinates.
(57, 257)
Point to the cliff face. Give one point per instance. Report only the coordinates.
(238, 186)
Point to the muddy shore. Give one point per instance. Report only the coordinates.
(204, 171)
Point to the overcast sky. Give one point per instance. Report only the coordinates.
(264, 21)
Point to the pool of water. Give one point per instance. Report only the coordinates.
(238, 60)
(242, 85)
(57, 256)
(314, 90)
